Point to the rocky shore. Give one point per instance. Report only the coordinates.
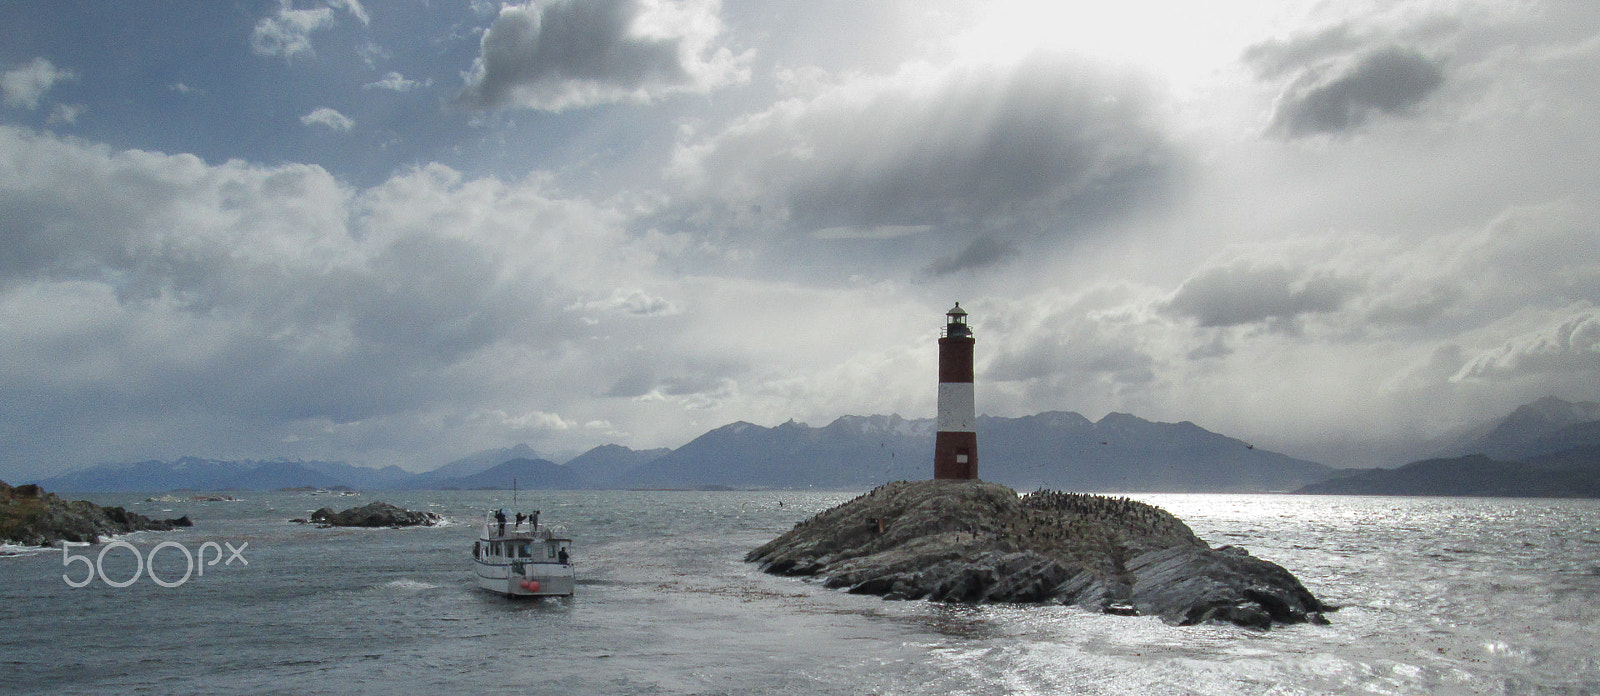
(32, 517)
(971, 542)
(377, 514)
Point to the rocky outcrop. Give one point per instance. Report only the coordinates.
(209, 498)
(30, 516)
(377, 514)
(970, 541)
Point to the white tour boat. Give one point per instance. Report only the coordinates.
(518, 557)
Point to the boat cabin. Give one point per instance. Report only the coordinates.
(520, 539)
(522, 547)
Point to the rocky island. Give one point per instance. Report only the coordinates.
(376, 514)
(32, 517)
(971, 542)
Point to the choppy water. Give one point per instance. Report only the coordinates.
(1440, 596)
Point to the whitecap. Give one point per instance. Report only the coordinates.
(20, 550)
(408, 585)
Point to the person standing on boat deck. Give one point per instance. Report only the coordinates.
(563, 557)
(534, 520)
(500, 516)
(520, 518)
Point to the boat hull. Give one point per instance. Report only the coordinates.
(553, 579)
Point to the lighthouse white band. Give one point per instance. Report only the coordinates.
(956, 409)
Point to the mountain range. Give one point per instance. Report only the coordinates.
(1543, 427)
(1547, 448)
(195, 473)
(1573, 473)
(1052, 450)
(1049, 450)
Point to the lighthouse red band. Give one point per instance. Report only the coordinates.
(955, 447)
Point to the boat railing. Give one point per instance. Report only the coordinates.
(491, 529)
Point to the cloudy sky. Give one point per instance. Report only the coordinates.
(398, 233)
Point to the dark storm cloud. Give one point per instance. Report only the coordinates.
(1337, 99)
(1047, 146)
(1243, 293)
(631, 386)
(1047, 139)
(1273, 59)
(573, 53)
(982, 252)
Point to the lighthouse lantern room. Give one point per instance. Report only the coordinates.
(955, 447)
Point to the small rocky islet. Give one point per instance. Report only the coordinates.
(375, 514)
(30, 516)
(977, 542)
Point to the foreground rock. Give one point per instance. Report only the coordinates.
(32, 517)
(970, 541)
(378, 514)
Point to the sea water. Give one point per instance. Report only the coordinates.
(1439, 596)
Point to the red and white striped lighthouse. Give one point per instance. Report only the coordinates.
(955, 447)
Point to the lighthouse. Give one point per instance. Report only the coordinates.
(955, 447)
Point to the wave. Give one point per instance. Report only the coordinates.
(20, 550)
(55, 546)
(408, 585)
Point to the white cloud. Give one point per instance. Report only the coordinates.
(287, 32)
(631, 302)
(353, 7)
(1568, 347)
(182, 300)
(395, 82)
(67, 113)
(22, 87)
(569, 54)
(372, 54)
(328, 118)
